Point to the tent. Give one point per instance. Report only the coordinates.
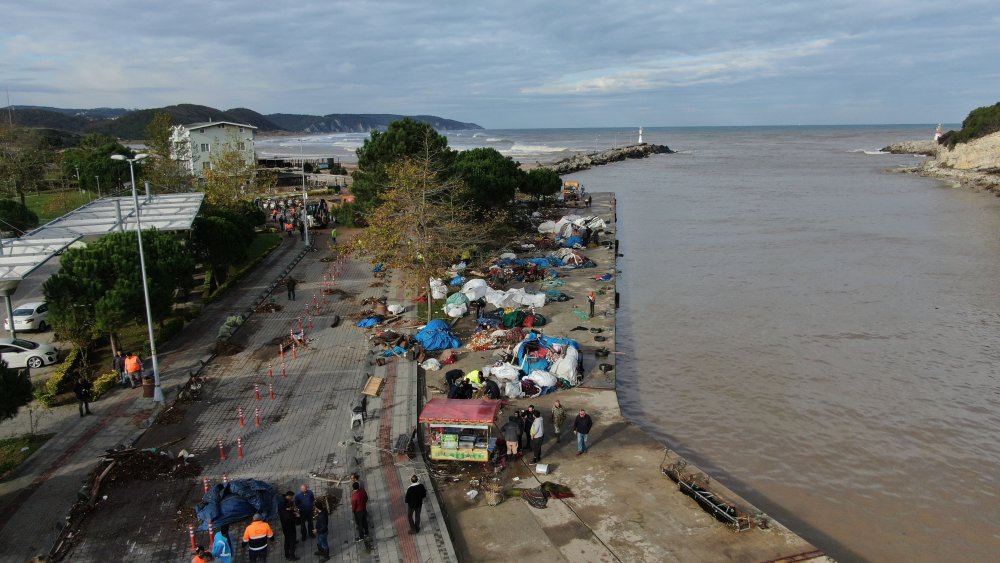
(437, 336)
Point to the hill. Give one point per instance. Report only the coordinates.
(358, 122)
(131, 124)
(979, 123)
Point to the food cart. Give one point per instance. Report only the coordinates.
(459, 429)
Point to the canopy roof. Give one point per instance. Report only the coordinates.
(166, 212)
(460, 411)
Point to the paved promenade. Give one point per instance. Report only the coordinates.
(306, 430)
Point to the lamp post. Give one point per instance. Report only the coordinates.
(157, 391)
(305, 200)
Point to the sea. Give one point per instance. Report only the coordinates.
(814, 328)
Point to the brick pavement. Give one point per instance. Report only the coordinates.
(305, 430)
(36, 497)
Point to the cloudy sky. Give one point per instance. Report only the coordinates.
(515, 63)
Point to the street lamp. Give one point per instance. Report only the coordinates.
(157, 391)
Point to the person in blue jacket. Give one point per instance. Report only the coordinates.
(222, 546)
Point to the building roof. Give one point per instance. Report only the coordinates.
(211, 123)
(165, 212)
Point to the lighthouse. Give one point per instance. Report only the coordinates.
(640, 135)
(937, 133)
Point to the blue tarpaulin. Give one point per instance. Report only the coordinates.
(236, 501)
(457, 281)
(572, 241)
(437, 336)
(369, 322)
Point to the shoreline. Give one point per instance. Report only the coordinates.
(624, 507)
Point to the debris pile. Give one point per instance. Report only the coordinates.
(131, 464)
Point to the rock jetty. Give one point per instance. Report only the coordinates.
(579, 162)
(925, 147)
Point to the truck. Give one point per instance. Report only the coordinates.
(317, 214)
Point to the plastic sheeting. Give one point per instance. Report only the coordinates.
(474, 289)
(437, 336)
(236, 501)
(514, 298)
(565, 366)
(542, 378)
(505, 371)
(438, 289)
(457, 298)
(456, 311)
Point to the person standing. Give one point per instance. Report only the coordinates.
(118, 364)
(333, 235)
(84, 391)
(581, 426)
(511, 434)
(558, 418)
(302, 229)
(592, 300)
(290, 283)
(322, 531)
(222, 546)
(537, 433)
(305, 502)
(133, 365)
(287, 516)
(256, 537)
(414, 502)
(359, 507)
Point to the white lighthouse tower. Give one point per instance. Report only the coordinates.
(640, 135)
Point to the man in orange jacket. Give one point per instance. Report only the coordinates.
(256, 537)
(133, 367)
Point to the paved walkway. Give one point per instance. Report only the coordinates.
(305, 431)
(37, 496)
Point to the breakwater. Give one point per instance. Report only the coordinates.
(580, 162)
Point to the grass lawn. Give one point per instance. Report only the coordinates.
(10, 450)
(50, 205)
(262, 244)
(438, 311)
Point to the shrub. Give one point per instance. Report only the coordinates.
(63, 379)
(980, 122)
(348, 214)
(105, 383)
(171, 327)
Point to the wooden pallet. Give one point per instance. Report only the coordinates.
(374, 386)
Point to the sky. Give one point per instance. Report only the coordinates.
(515, 64)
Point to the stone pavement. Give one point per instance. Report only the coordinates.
(36, 496)
(305, 436)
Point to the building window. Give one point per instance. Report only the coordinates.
(241, 129)
(206, 165)
(241, 146)
(204, 147)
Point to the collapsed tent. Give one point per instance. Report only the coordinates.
(558, 356)
(437, 336)
(514, 298)
(236, 501)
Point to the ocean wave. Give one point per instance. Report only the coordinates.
(498, 140)
(535, 149)
(877, 152)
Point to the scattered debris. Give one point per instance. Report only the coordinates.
(269, 308)
(172, 415)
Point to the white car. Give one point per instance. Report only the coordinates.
(30, 316)
(20, 353)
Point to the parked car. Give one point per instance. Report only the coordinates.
(30, 316)
(19, 353)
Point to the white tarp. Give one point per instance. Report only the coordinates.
(565, 366)
(475, 289)
(513, 390)
(514, 298)
(547, 227)
(438, 289)
(542, 378)
(504, 371)
(456, 311)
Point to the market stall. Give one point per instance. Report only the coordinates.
(459, 429)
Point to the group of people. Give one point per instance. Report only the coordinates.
(526, 429)
(302, 515)
(128, 365)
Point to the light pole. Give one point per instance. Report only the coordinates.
(157, 391)
(305, 199)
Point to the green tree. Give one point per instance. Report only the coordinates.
(541, 183)
(23, 156)
(99, 287)
(218, 243)
(15, 216)
(421, 226)
(160, 169)
(233, 178)
(492, 178)
(15, 391)
(92, 158)
(403, 138)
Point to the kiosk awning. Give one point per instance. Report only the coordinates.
(460, 411)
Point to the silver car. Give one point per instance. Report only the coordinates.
(20, 353)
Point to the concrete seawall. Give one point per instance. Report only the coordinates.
(623, 508)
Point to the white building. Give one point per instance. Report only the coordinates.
(194, 144)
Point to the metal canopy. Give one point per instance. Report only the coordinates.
(166, 212)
